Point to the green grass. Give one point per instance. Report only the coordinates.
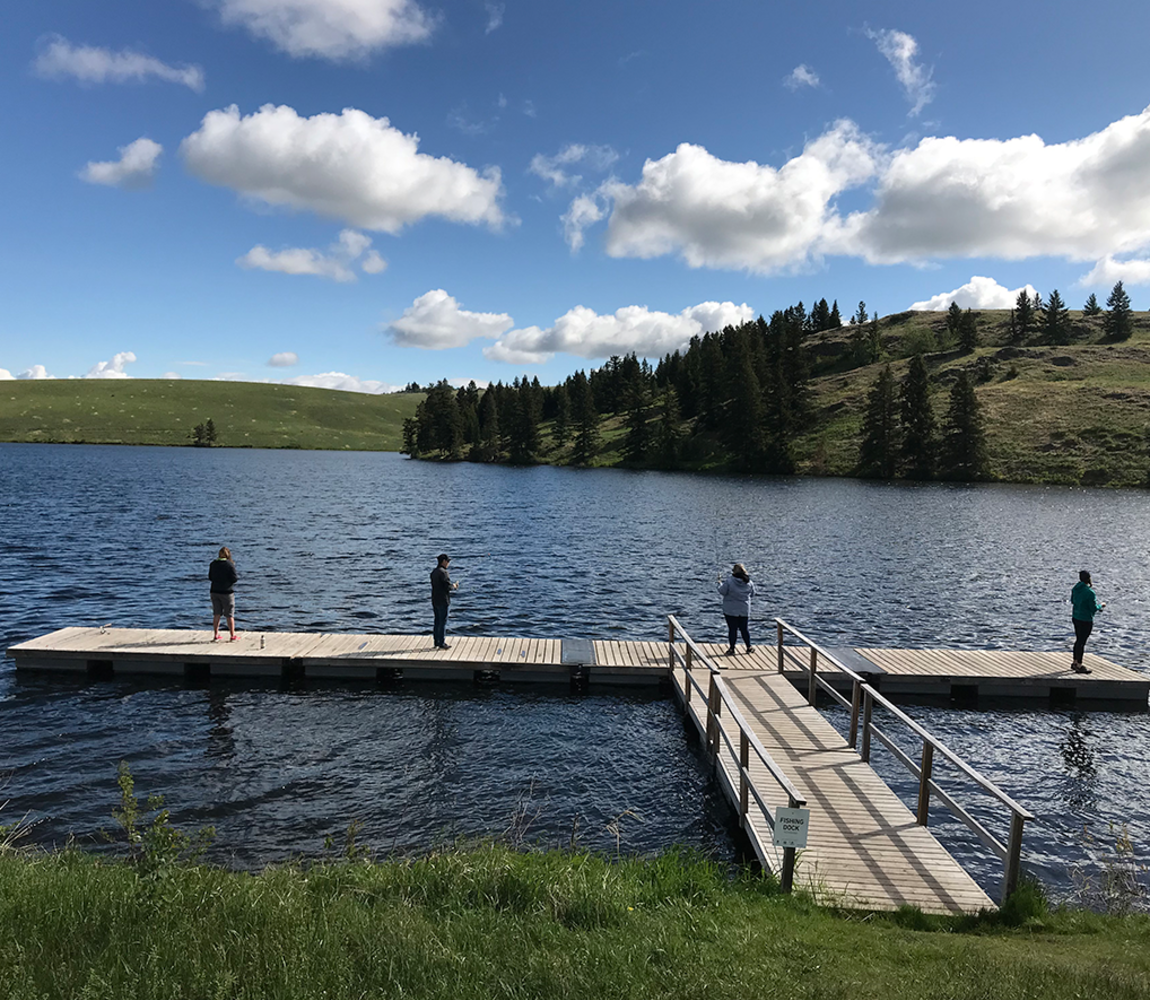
(491, 922)
(164, 411)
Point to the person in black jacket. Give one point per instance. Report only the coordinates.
(222, 573)
(441, 588)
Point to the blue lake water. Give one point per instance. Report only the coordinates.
(345, 541)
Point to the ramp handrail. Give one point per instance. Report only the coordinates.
(719, 700)
(863, 699)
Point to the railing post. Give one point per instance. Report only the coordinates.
(712, 704)
(812, 687)
(671, 644)
(744, 767)
(868, 707)
(1013, 856)
(779, 625)
(856, 700)
(688, 661)
(924, 782)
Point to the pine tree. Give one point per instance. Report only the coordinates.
(967, 333)
(1023, 314)
(561, 429)
(1056, 323)
(1092, 308)
(586, 420)
(953, 322)
(669, 435)
(745, 418)
(489, 447)
(860, 315)
(919, 428)
(1119, 321)
(964, 438)
(879, 448)
(836, 320)
(638, 440)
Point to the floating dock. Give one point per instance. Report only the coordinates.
(963, 675)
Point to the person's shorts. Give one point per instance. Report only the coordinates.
(224, 604)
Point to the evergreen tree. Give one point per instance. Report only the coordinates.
(967, 333)
(1023, 314)
(586, 420)
(442, 420)
(1013, 333)
(638, 440)
(669, 435)
(521, 423)
(1038, 305)
(561, 429)
(964, 437)
(744, 428)
(1092, 308)
(879, 448)
(1119, 320)
(860, 315)
(836, 320)
(489, 447)
(410, 432)
(953, 323)
(919, 428)
(1056, 323)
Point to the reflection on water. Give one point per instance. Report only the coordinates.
(344, 542)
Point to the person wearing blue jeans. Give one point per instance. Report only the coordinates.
(441, 588)
(1085, 606)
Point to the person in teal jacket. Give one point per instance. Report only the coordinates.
(1085, 606)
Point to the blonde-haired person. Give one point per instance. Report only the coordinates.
(737, 591)
(222, 573)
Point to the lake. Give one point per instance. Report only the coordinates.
(345, 542)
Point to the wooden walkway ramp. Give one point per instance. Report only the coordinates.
(865, 849)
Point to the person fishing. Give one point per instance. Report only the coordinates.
(222, 574)
(737, 591)
(441, 589)
(1085, 605)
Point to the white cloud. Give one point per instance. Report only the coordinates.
(1109, 271)
(347, 383)
(978, 293)
(715, 213)
(550, 168)
(900, 50)
(284, 359)
(583, 332)
(335, 263)
(494, 16)
(435, 321)
(584, 211)
(801, 76)
(170, 375)
(133, 171)
(331, 29)
(113, 368)
(6, 376)
(89, 64)
(35, 372)
(348, 166)
(1012, 199)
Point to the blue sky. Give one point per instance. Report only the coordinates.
(362, 193)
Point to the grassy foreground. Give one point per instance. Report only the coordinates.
(492, 922)
(164, 411)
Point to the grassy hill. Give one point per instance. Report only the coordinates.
(1076, 414)
(164, 411)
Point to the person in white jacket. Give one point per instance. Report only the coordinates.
(737, 591)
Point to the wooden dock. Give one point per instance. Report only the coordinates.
(960, 674)
(865, 849)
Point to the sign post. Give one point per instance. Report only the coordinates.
(790, 833)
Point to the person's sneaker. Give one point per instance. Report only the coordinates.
(443, 645)
(1080, 668)
(731, 651)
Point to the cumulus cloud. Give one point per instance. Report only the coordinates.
(284, 359)
(330, 29)
(978, 293)
(435, 321)
(6, 376)
(348, 166)
(1085, 199)
(552, 168)
(335, 263)
(900, 50)
(88, 64)
(1012, 198)
(801, 76)
(715, 213)
(1109, 271)
(113, 368)
(583, 332)
(133, 171)
(35, 372)
(494, 16)
(347, 383)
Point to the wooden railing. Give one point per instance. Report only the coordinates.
(721, 708)
(861, 706)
